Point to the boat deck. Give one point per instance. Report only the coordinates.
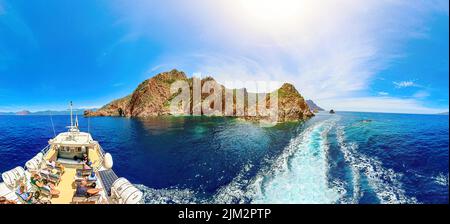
(66, 149)
(66, 187)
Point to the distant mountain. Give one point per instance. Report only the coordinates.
(23, 112)
(443, 113)
(63, 112)
(47, 112)
(7, 113)
(313, 106)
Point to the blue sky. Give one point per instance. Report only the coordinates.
(382, 56)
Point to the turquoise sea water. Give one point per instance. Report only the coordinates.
(342, 158)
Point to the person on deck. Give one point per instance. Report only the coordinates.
(24, 194)
(4, 200)
(52, 189)
(51, 163)
(36, 180)
(82, 189)
(92, 177)
(87, 163)
(59, 166)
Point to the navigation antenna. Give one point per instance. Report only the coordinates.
(71, 119)
(76, 121)
(53, 126)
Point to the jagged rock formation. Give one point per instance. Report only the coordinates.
(313, 106)
(152, 98)
(291, 105)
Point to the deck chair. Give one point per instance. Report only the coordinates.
(84, 172)
(52, 178)
(42, 191)
(85, 200)
(79, 179)
(22, 200)
(50, 167)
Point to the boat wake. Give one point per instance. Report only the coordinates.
(385, 182)
(441, 179)
(168, 196)
(300, 174)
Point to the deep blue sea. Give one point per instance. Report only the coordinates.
(332, 158)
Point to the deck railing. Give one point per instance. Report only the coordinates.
(100, 149)
(102, 156)
(45, 150)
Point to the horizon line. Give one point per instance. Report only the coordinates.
(324, 111)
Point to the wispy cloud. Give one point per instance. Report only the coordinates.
(88, 107)
(36, 108)
(404, 84)
(330, 50)
(421, 94)
(382, 104)
(118, 84)
(157, 68)
(13, 23)
(383, 93)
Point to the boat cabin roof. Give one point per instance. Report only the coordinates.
(72, 138)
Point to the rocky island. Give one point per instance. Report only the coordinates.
(313, 106)
(153, 97)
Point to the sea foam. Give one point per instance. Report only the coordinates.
(300, 175)
(385, 182)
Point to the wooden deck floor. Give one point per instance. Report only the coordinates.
(65, 187)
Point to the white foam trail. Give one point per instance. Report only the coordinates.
(300, 174)
(168, 196)
(384, 182)
(236, 192)
(441, 179)
(355, 172)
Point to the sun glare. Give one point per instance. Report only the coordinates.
(271, 12)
